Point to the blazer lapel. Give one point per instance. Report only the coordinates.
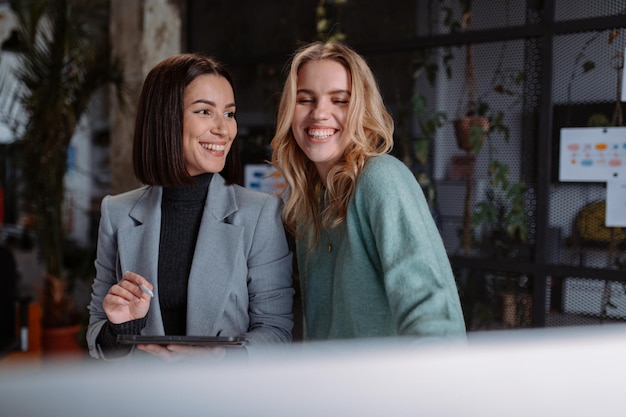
(138, 249)
(215, 260)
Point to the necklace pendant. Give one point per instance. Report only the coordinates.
(329, 247)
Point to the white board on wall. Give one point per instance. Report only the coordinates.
(592, 154)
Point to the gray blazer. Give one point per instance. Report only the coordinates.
(240, 282)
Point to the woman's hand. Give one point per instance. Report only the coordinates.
(126, 300)
(175, 353)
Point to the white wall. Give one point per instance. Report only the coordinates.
(7, 62)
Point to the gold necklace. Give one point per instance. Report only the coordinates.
(329, 245)
(329, 238)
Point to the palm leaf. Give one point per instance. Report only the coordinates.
(64, 64)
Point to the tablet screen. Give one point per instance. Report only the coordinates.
(182, 340)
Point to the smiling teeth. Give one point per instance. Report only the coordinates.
(213, 147)
(320, 133)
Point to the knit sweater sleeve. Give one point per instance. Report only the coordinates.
(417, 275)
(107, 339)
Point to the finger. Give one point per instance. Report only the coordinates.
(147, 291)
(126, 291)
(139, 281)
(160, 351)
(216, 352)
(113, 300)
(213, 352)
(133, 277)
(137, 291)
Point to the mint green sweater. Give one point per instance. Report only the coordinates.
(387, 272)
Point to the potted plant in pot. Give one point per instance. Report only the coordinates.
(64, 62)
(504, 221)
(476, 122)
(470, 127)
(501, 214)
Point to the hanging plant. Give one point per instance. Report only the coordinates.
(328, 20)
(471, 127)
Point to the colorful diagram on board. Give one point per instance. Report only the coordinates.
(592, 154)
(263, 177)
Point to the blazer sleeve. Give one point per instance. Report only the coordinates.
(270, 287)
(105, 278)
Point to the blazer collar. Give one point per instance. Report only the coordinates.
(144, 208)
(220, 204)
(221, 201)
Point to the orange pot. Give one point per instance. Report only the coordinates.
(61, 341)
(462, 128)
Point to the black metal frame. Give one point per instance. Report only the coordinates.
(542, 29)
(545, 32)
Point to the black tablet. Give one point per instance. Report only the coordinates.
(181, 340)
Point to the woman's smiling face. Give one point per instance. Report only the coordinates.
(321, 110)
(209, 125)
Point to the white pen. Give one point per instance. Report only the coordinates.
(147, 290)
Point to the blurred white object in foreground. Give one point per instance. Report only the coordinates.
(544, 372)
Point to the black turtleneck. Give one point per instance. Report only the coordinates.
(181, 213)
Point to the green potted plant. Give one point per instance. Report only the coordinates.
(470, 127)
(475, 122)
(64, 62)
(501, 214)
(504, 222)
(429, 121)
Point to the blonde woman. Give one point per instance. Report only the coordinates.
(370, 258)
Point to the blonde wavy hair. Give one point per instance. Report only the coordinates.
(311, 203)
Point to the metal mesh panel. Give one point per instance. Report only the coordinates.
(585, 66)
(569, 10)
(494, 300)
(587, 70)
(496, 271)
(507, 81)
(497, 89)
(584, 301)
(485, 14)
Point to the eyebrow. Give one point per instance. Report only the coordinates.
(212, 103)
(338, 91)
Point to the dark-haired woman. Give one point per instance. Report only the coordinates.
(211, 255)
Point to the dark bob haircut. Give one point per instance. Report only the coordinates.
(157, 144)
